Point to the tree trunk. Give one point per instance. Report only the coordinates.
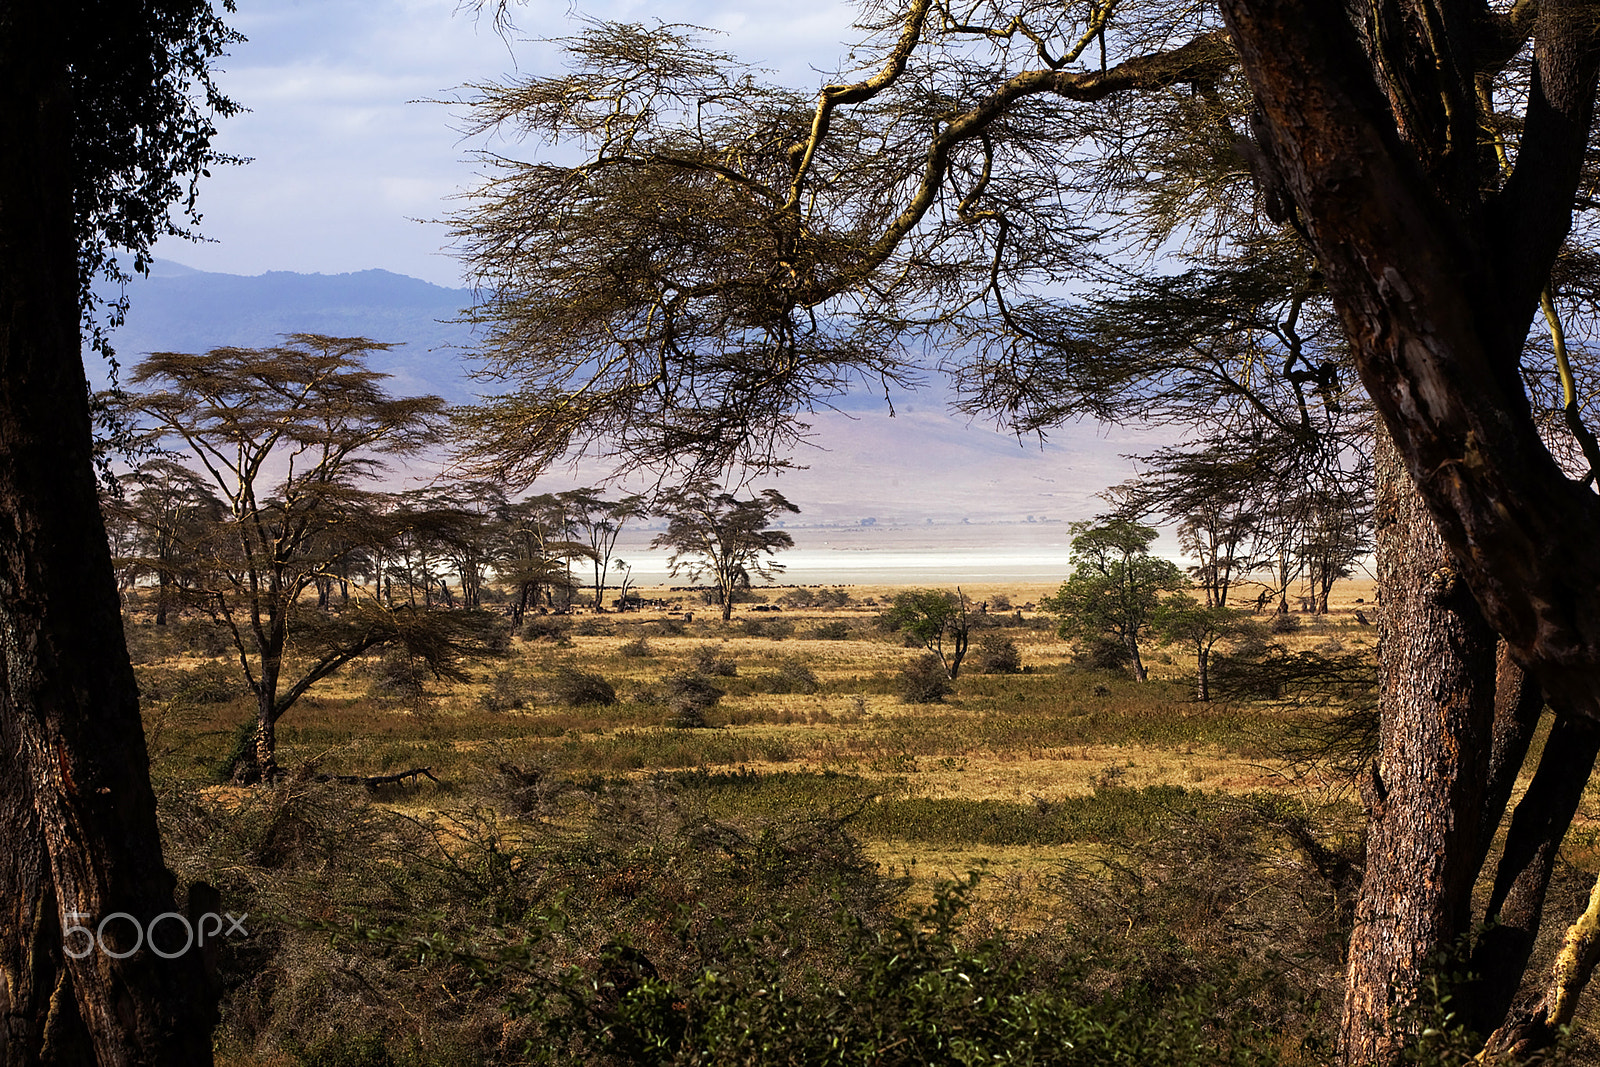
(1516, 904)
(1436, 658)
(78, 835)
(265, 747)
(1518, 700)
(1139, 673)
(1202, 683)
(1437, 286)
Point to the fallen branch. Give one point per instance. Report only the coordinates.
(373, 781)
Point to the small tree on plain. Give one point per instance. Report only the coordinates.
(938, 619)
(598, 523)
(286, 436)
(1115, 586)
(720, 535)
(1198, 627)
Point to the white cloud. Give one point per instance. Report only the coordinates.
(344, 154)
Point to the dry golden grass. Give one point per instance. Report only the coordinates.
(1039, 736)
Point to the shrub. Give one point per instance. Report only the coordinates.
(837, 630)
(505, 692)
(638, 648)
(797, 598)
(924, 681)
(592, 626)
(709, 661)
(209, 683)
(1284, 623)
(997, 654)
(792, 676)
(1000, 602)
(920, 991)
(689, 696)
(572, 688)
(544, 627)
(777, 629)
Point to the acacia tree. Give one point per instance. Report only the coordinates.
(286, 435)
(933, 189)
(933, 617)
(536, 545)
(721, 535)
(172, 513)
(1374, 136)
(1182, 619)
(107, 115)
(1115, 586)
(598, 523)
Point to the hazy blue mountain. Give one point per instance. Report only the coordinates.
(921, 470)
(177, 309)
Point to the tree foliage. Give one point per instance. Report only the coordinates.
(937, 618)
(720, 535)
(1182, 619)
(729, 254)
(1115, 587)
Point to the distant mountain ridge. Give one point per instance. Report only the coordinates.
(923, 468)
(179, 309)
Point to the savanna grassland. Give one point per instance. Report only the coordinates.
(652, 837)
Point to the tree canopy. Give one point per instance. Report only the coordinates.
(721, 535)
(1115, 586)
(287, 436)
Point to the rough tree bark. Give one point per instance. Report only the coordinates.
(1425, 794)
(1374, 136)
(1437, 291)
(78, 832)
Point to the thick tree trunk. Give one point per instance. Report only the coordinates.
(1436, 656)
(1437, 286)
(1523, 875)
(1518, 700)
(1137, 662)
(78, 836)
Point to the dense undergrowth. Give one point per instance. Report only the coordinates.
(588, 885)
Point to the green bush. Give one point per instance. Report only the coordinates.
(573, 688)
(996, 654)
(924, 681)
(1103, 654)
(913, 994)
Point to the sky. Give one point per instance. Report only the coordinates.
(349, 158)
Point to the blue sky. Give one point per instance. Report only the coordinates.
(345, 157)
